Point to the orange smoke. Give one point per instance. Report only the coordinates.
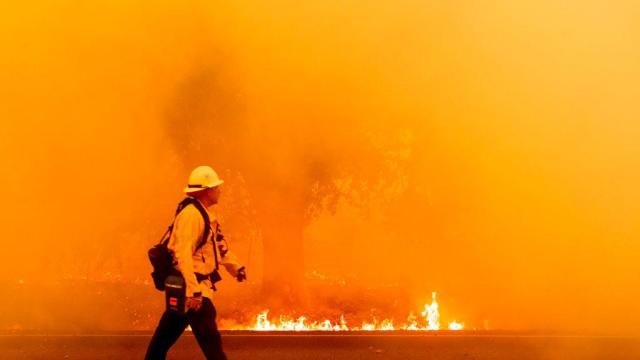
(487, 151)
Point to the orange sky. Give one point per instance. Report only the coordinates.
(486, 151)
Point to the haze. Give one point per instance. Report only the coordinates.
(485, 150)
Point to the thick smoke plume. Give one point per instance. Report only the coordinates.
(371, 151)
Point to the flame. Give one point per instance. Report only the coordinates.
(368, 326)
(386, 325)
(412, 323)
(431, 316)
(262, 323)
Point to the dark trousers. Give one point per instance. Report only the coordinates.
(172, 325)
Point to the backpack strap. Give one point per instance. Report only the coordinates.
(164, 240)
(207, 226)
(205, 216)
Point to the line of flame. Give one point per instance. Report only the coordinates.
(431, 315)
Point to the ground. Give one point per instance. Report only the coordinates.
(331, 346)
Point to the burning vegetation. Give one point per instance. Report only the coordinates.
(355, 138)
(429, 321)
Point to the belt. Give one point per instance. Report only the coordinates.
(214, 277)
(202, 277)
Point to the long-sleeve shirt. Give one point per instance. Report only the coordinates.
(188, 229)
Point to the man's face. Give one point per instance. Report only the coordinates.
(214, 194)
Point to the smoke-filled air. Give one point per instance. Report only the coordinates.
(373, 153)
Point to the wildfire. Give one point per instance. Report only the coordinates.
(431, 317)
(299, 324)
(432, 314)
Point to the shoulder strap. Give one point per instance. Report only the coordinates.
(207, 222)
(167, 234)
(205, 216)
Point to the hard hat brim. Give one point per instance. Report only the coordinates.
(189, 190)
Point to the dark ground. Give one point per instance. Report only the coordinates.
(241, 346)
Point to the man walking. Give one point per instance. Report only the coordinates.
(196, 252)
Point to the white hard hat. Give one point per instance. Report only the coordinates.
(202, 177)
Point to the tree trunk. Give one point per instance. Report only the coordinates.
(282, 227)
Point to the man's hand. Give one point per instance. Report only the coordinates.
(193, 303)
(242, 274)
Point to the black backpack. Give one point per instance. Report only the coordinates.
(160, 256)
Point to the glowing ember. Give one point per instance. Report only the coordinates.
(430, 314)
